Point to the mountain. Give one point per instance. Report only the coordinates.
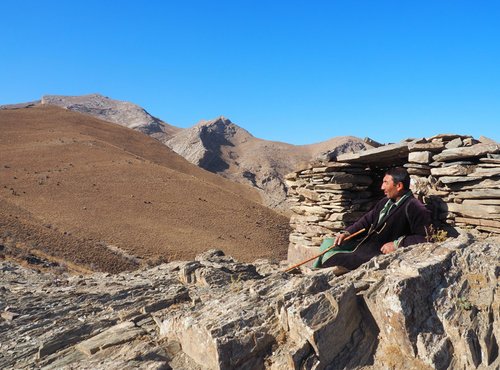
(218, 145)
(222, 147)
(96, 194)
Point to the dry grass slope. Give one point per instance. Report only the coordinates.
(71, 185)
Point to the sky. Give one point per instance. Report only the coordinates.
(300, 72)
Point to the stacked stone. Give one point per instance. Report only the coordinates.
(325, 199)
(460, 176)
(467, 176)
(421, 165)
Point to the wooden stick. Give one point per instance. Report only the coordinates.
(322, 253)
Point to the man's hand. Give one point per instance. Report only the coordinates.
(339, 238)
(388, 248)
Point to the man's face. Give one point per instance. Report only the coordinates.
(391, 190)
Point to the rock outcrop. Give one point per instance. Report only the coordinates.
(203, 143)
(462, 176)
(427, 306)
(121, 112)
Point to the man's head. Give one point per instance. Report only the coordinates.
(396, 182)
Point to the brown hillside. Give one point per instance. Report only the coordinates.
(76, 187)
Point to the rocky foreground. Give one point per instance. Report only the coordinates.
(429, 306)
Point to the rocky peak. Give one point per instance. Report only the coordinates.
(221, 127)
(220, 121)
(202, 144)
(350, 145)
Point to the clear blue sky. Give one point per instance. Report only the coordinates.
(293, 71)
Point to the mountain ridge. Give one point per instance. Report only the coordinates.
(218, 145)
(121, 112)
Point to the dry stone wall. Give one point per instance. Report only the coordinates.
(461, 177)
(457, 176)
(324, 199)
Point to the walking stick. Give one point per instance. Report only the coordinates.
(322, 253)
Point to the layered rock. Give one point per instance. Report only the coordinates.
(462, 177)
(325, 199)
(428, 306)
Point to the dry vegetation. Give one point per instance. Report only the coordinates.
(72, 185)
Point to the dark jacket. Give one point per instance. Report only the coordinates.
(410, 218)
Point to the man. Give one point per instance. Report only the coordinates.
(397, 221)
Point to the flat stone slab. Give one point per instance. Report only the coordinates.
(447, 137)
(418, 166)
(478, 194)
(476, 202)
(457, 170)
(490, 160)
(435, 146)
(454, 179)
(424, 157)
(487, 140)
(489, 229)
(478, 221)
(473, 151)
(487, 172)
(118, 334)
(385, 154)
(455, 143)
(481, 211)
(419, 172)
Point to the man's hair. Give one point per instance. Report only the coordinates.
(400, 174)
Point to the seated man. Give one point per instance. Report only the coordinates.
(399, 220)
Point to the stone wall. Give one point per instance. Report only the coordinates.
(458, 177)
(325, 199)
